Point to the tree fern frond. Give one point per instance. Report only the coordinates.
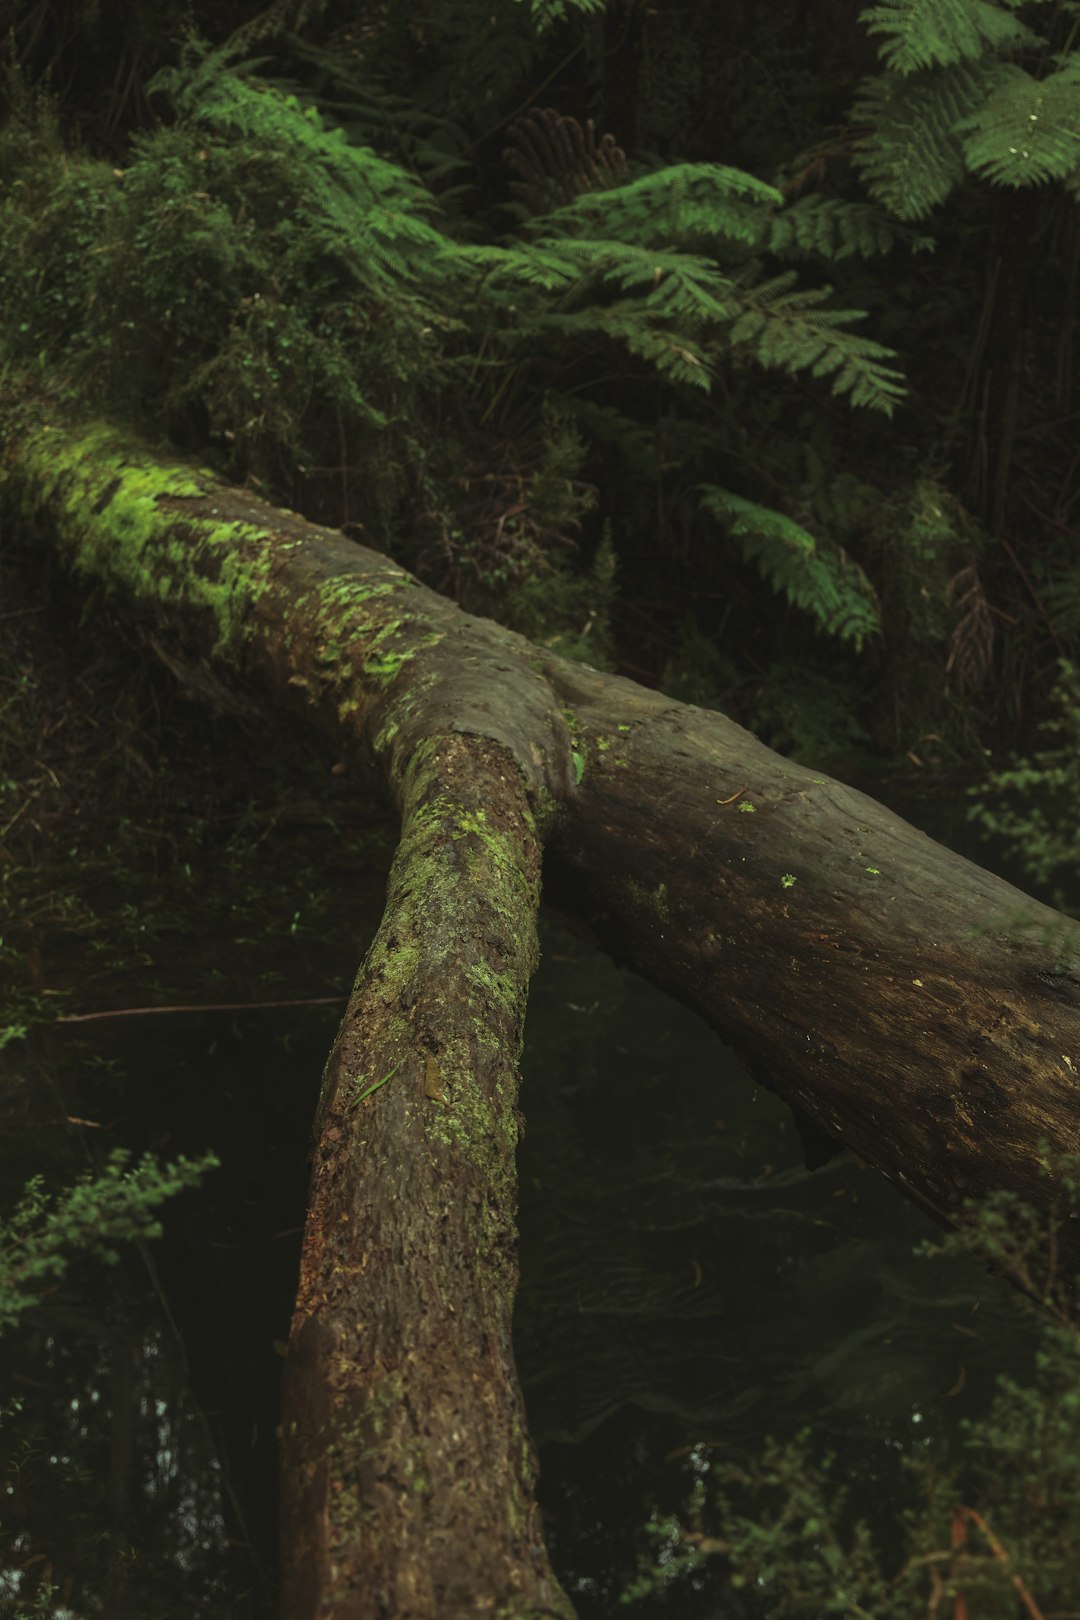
(818, 578)
(682, 285)
(527, 265)
(371, 212)
(546, 13)
(357, 100)
(910, 154)
(830, 228)
(680, 202)
(1028, 130)
(787, 329)
(675, 355)
(938, 33)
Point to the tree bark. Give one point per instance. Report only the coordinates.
(922, 1011)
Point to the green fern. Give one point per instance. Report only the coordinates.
(681, 202)
(546, 13)
(820, 579)
(371, 213)
(677, 296)
(909, 152)
(94, 1216)
(675, 355)
(680, 285)
(788, 330)
(950, 103)
(680, 311)
(831, 228)
(938, 33)
(357, 99)
(1027, 130)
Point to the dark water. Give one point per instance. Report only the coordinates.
(689, 1288)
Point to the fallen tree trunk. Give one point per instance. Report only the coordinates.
(922, 1011)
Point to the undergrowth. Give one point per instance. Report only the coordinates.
(988, 1526)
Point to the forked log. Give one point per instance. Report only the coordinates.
(922, 1011)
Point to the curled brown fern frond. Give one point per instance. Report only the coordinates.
(558, 158)
(971, 645)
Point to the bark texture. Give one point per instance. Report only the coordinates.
(407, 1468)
(922, 1011)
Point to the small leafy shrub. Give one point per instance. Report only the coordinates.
(988, 1528)
(45, 1230)
(1031, 806)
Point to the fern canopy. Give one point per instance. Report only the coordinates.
(1027, 130)
(815, 226)
(546, 13)
(950, 103)
(680, 202)
(909, 152)
(819, 579)
(939, 33)
(370, 211)
(789, 330)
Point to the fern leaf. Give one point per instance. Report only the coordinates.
(830, 228)
(678, 284)
(1028, 130)
(526, 265)
(680, 202)
(546, 13)
(821, 580)
(938, 33)
(910, 155)
(674, 354)
(789, 331)
(371, 212)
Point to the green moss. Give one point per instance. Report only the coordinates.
(114, 527)
(499, 989)
(652, 903)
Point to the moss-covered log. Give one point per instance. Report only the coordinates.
(919, 1009)
(407, 1466)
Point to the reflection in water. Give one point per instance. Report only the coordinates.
(690, 1288)
(139, 1470)
(111, 1470)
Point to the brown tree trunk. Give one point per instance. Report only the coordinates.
(407, 1466)
(919, 1009)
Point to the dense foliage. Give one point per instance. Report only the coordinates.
(988, 1526)
(91, 1217)
(585, 298)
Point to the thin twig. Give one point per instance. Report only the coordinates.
(1002, 1556)
(196, 1007)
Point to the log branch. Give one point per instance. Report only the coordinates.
(920, 1010)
